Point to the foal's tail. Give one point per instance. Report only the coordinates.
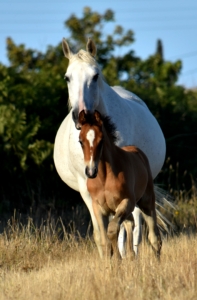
(164, 203)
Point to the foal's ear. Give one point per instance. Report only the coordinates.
(67, 52)
(98, 118)
(81, 119)
(91, 47)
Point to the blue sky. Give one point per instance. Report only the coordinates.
(40, 23)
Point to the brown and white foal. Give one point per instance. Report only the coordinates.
(117, 180)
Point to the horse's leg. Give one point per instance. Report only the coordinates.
(88, 201)
(147, 206)
(122, 211)
(121, 241)
(137, 232)
(129, 226)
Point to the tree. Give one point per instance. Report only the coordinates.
(33, 101)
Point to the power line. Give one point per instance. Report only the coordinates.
(39, 18)
(120, 11)
(189, 72)
(185, 55)
(38, 31)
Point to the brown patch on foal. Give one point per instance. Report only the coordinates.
(118, 179)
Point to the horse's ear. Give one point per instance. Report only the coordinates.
(98, 118)
(67, 52)
(91, 47)
(81, 119)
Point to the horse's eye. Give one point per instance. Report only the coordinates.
(95, 77)
(66, 78)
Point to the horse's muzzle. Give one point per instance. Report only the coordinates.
(75, 119)
(91, 172)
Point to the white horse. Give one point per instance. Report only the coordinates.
(88, 90)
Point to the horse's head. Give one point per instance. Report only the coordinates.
(91, 140)
(83, 80)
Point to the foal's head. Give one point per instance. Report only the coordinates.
(91, 140)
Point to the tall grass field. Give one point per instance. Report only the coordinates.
(49, 262)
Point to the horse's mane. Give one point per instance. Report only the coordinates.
(85, 56)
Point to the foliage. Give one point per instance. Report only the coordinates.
(33, 102)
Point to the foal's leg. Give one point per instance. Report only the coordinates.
(122, 211)
(103, 221)
(147, 206)
(154, 234)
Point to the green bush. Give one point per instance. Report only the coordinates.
(33, 103)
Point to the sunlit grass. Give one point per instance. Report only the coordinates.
(51, 262)
(36, 264)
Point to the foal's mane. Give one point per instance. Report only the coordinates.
(110, 128)
(108, 125)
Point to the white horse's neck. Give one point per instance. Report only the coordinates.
(115, 96)
(107, 95)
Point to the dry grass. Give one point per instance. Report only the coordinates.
(36, 264)
(186, 214)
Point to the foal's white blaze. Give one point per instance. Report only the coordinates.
(90, 137)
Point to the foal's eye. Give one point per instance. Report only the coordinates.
(101, 143)
(66, 78)
(95, 77)
(81, 143)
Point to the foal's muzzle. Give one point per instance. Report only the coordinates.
(91, 172)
